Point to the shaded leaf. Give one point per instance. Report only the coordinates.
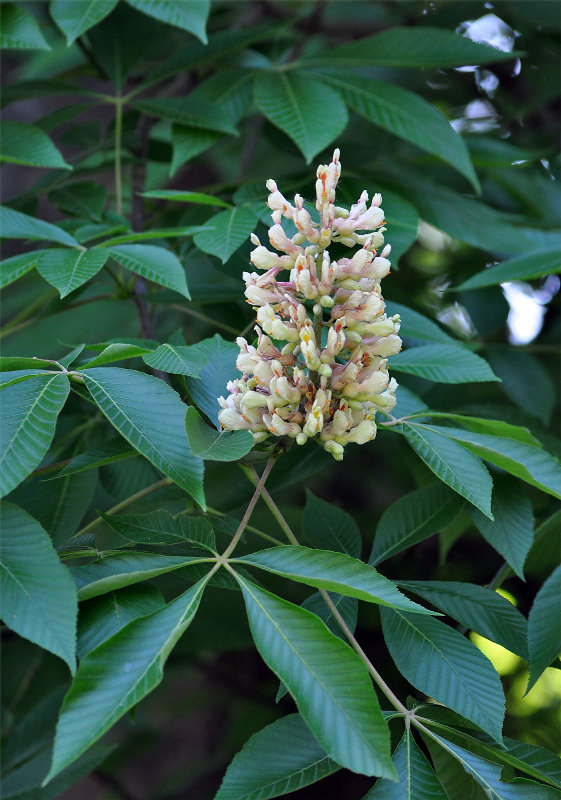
(21, 143)
(467, 476)
(416, 778)
(298, 761)
(296, 104)
(160, 527)
(329, 527)
(115, 449)
(15, 267)
(176, 359)
(479, 609)
(150, 416)
(544, 631)
(220, 368)
(512, 531)
(77, 17)
(413, 518)
(29, 413)
(212, 445)
(406, 115)
(155, 263)
(443, 363)
(15, 225)
(81, 199)
(335, 572)
(190, 17)
(440, 662)
(38, 594)
(68, 269)
(188, 142)
(19, 30)
(174, 196)
(116, 351)
(328, 681)
(526, 266)
(184, 111)
(226, 232)
(100, 694)
(104, 616)
(509, 365)
(417, 326)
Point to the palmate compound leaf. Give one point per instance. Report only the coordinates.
(299, 760)
(212, 445)
(124, 569)
(480, 609)
(532, 464)
(150, 416)
(160, 527)
(311, 113)
(413, 518)
(29, 413)
(68, 269)
(334, 572)
(38, 594)
(329, 527)
(443, 363)
(416, 778)
(544, 629)
(118, 674)
(466, 476)
(328, 681)
(440, 662)
(488, 775)
(406, 115)
(512, 531)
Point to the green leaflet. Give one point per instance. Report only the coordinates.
(417, 326)
(38, 595)
(478, 608)
(544, 633)
(296, 104)
(17, 266)
(448, 461)
(299, 761)
(150, 416)
(21, 143)
(226, 232)
(99, 695)
(220, 368)
(191, 16)
(512, 531)
(184, 111)
(440, 662)
(104, 616)
(328, 681)
(177, 359)
(160, 527)
(416, 778)
(76, 17)
(15, 225)
(30, 410)
(526, 266)
(443, 363)
(198, 198)
(413, 518)
(334, 572)
(115, 449)
(68, 269)
(116, 571)
(155, 263)
(212, 445)
(406, 115)
(116, 351)
(18, 30)
(329, 527)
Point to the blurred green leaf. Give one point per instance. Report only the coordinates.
(77, 17)
(21, 143)
(184, 111)
(544, 633)
(191, 16)
(19, 30)
(328, 527)
(520, 268)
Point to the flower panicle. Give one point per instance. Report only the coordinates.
(318, 369)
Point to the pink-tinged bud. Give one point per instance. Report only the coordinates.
(280, 240)
(386, 251)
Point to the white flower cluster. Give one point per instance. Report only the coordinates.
(330, 377)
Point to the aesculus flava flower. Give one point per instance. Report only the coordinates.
(319, 367)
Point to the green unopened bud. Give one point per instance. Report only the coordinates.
(354, 336)
(325, 370)
(342, 213)
(326, 301)
(301, 438)
(317, 308)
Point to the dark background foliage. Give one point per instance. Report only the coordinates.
(217, 690)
